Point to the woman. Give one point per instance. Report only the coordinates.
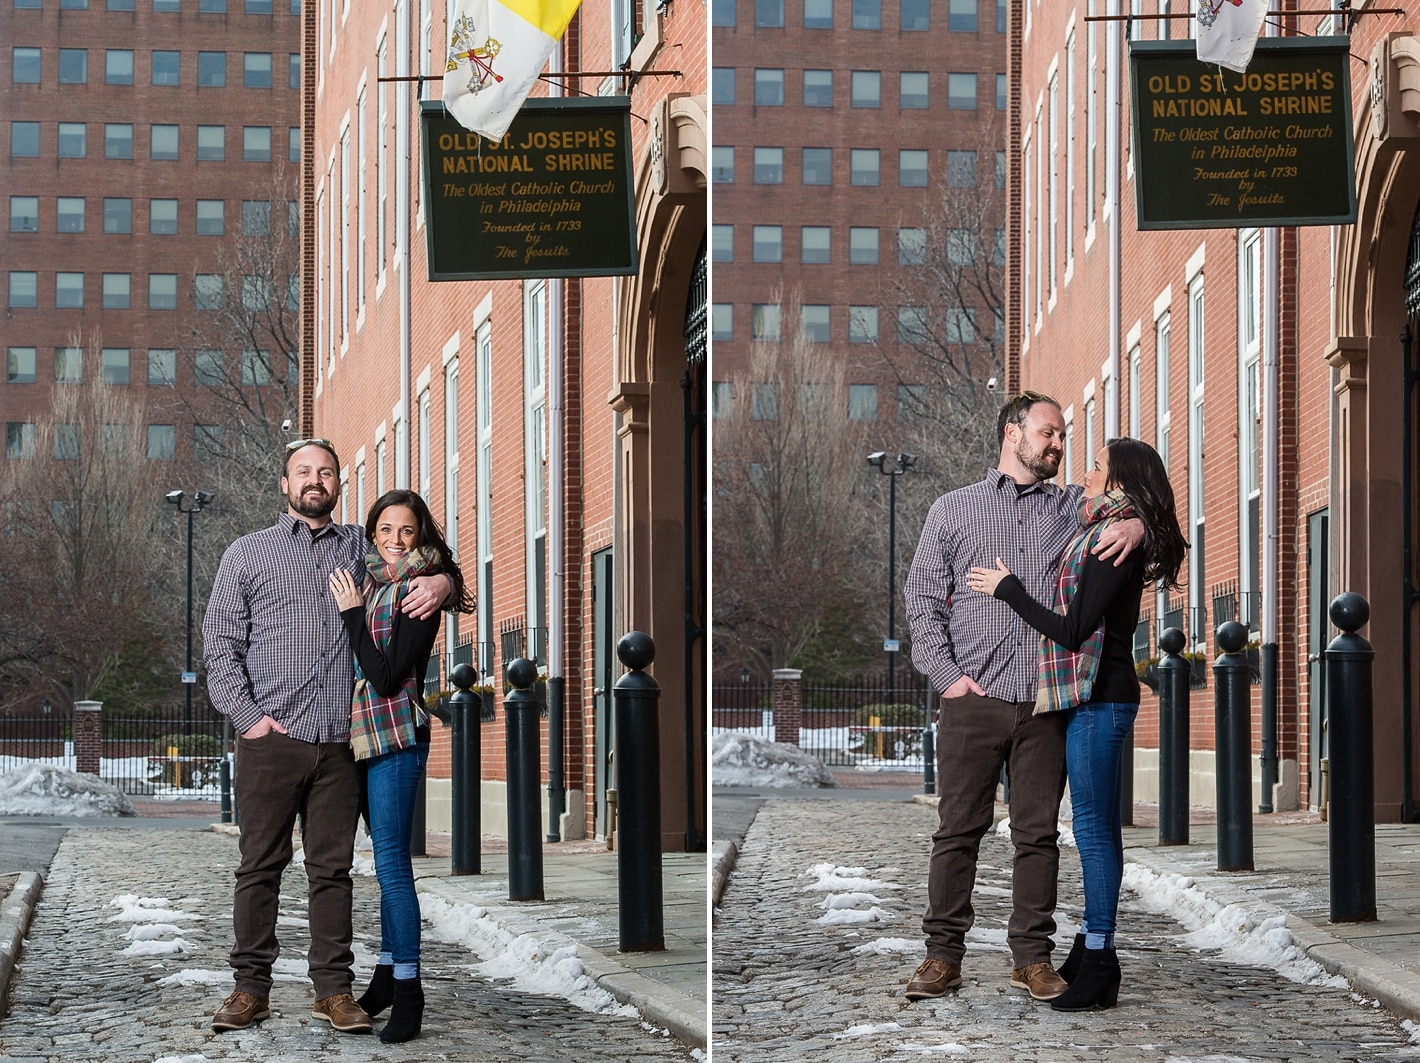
(389, 730)
(1087, 668)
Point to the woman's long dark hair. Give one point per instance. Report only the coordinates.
(430, 535)
(1137, 470)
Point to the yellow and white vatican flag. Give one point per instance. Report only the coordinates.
(1228, 31)
(497, 49)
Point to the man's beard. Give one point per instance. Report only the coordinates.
(313, 507)
(1041, 466)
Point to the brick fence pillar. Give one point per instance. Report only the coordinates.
(88, 736)
(788, 702)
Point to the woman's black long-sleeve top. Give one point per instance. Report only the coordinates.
(407, 654)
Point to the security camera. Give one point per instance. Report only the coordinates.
(286, 424)
(991, 383)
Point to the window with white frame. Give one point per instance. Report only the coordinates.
(1135, 420)
(345, 234)
(1089, 440)
(1162, 416)
(1067, 452)
(424, 442)
(1053, 224)
(1196, 590)
(1091, 115)
(1028, 235)
(1070, 152)
(1250, 423)
(362, 152)
(451, 454)
(380, 457)
(360, 507)
(535, 347)
(381, 161)
(484, 492)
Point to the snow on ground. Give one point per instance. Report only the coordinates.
(743, 760)
(37, 789)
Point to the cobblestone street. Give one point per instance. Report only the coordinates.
(138, 980)
(794, 979)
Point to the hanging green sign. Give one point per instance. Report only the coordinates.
(1216, 149)
(554, 198)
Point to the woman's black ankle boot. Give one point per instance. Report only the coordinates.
(407, 1013)
(1095, 985)
(379, 994)
(1072, 962)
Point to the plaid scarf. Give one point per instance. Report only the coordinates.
(381, 725)
(1065, 678)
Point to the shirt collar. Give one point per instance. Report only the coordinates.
(999, 480)
(293, 525)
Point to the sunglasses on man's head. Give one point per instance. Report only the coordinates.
(297, 444)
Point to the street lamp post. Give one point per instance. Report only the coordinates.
(199, 500)
(892, 466)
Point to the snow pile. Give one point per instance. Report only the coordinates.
(150, 935)
(45, 790)
(743, 760)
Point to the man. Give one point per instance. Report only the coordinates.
(279, 665)
(982, 658)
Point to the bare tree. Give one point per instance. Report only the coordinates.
(790, 521)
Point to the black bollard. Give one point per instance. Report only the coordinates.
(638, 798)
(466, 753)
(224, 776)
(929, 761)
(1232, 683)
(1174, 676)
(1352, 822)
(521, 709)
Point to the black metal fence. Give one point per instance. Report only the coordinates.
(163, 753)
(861, 723)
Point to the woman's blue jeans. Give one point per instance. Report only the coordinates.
(1094, 740)
(391, 785)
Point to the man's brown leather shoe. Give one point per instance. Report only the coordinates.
(341, 1011)
(932, 979)
(1040, 979)
(239, 1011)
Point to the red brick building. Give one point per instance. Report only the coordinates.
(556, 426)
(1266, 363)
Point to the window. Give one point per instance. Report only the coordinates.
(912, 90)
(162, 291)
(24, 66)
(207, 291)
(114, 362)
(912, 168)
(69, 214)
(862, 402)
(867, 14)
(815, 241)
(206, 442)
(764, 402)
(162, 216)
(1001, 86)
(162, 367)
(256, 292)
(24, 214)
(24, 288)
(818, 88)
(293, 144)
(915, 15)
(722, 13)
(163, 142)
(818, 166)
(912, 325)
(864, 165)
(1000, 169)
(162, 442)
(166, 5)
(212, 7)
(258, 7)
(1196, 498)
(867, 88)
(911, 402)
(768, 166)
(769, 13)
(118, 66)
(68, 290)
(32, 5)
(862, 324)
(768, 243)
(1162, 416)
(722, 395)
(165, 68)
(211, 220)
(961, 92)
(764, 321)
(818, 14)
(961, 324)
(211, 69)
(117, 292)
(256, 369)
(293, 71)
(722, 86)
(73, 66)
(961, 169)
(722, 165)
(961, 247)
(769, 88)
(73, 140)
(19, 439)
(862, 246)
(207, 367)
(211, 143)
(256, 217)
(722, 243)
(911, 247)
(24, 140)
(118, 140)
(20, 365)
(256, 143)
(961, 16)
(813, 323)
(722, 320)
(256, 70)
(68, 365)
